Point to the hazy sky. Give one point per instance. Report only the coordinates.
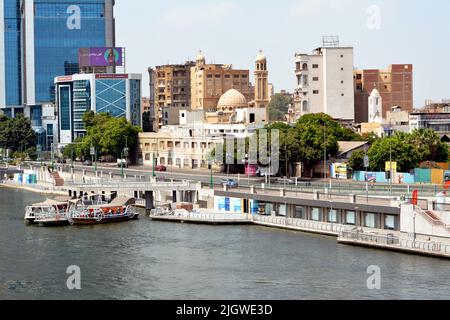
(157, 32)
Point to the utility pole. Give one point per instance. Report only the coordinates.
(390, 158)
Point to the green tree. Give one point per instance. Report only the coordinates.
(429, 145)
(16, 133)
(405, 154)
(279, 107)
(314, 135)
(107, 134)
(356, 161)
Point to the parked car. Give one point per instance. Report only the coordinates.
(231, 183)
(62, 161)
(161, 168)
(284, 181)
(122, 162)
(87, 163)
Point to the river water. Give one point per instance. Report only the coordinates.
(154, 260)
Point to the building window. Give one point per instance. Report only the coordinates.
(147, 157)
(342, 55)
(350, 218)
(316, 92)
(315, 66)
(342, 69)
(299, 212)
(316, 214)
(333, 216)
(315, 78)
(342, 95)
(389, 222)
(370, 220)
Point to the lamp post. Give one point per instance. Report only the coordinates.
(324, 155)
(154, 165)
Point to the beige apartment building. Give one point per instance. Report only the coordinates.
(210, 81)
(172, 85)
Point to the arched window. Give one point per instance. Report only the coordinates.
(305, 66)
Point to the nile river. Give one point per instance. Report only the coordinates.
(153, 260)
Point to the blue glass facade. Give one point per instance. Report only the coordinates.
(65, 111)
(12, 47)
(36, 116)
(135, 102)
(61, 27)
(111, 97)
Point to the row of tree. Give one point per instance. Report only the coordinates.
(108, 135)
(312, 138)
(409, 150)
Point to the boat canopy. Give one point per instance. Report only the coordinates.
(49, 203)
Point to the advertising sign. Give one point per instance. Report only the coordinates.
(237, 205)
(339, 170)
(372, 177)
(227, 204)
(391, 167)
(100, 57)
(254, 207)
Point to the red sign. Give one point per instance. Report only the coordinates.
(415, 199)
(64, 79)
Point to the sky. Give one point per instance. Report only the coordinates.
(382, 32)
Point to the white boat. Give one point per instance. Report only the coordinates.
(48, 213)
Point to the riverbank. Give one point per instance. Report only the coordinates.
(346, 235)
(40, 190)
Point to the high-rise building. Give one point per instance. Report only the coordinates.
(210, 81)
(395, 86)
(40, 41)
(10, 57)
(325, 81)
(117, 94)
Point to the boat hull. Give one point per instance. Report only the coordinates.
(106, 220)
(53, 223)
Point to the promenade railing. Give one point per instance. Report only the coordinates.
(426, 247)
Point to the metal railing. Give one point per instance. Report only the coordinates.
(425, 247)
(199, 216)
(301, 224)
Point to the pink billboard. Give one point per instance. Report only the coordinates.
(100, 57)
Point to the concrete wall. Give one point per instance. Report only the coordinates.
(410, 221)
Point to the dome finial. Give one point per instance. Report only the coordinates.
(260, 56)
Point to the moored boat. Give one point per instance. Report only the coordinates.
(119, 210)
(48, 213)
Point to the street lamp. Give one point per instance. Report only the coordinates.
(248, 167)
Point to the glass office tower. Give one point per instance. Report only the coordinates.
(40, 41)
(10, 58)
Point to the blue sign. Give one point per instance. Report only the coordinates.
(227, 204)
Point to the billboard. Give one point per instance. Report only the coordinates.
(391, 167)
(339, 171)
(100, 57)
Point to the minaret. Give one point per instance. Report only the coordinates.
(261, 83)
(201, 61)
(375, 107)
